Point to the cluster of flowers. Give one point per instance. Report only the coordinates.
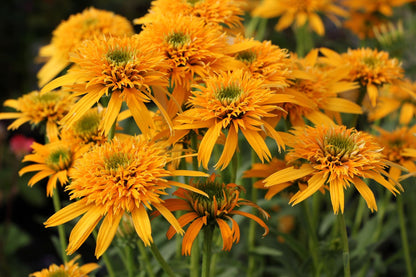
(195, 87)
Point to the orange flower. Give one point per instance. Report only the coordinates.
(122, 68)
(300, 12)
(396, 98)
(337, 157)
(396, 145)
(71, 269)
(371, 68)
(232, 101)
(53, 160)
(120, 177)
(316, 89)
(72, 32)
(212, 12)
(216, 210)
(191, 50)
(36, 108)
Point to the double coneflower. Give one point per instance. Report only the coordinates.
(120, 177)
(232, 102)
(334, 158)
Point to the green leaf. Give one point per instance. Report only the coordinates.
(13, 238)
(264, 250)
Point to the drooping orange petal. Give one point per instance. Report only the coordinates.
(336, 191)
(183, 220)
(317, 24)
(83, 228)
(229, 148)
(226, 234)
(314, 184)
(288, 174)
(112, 112)
(342, 105)
(255, 218)
(187, 187)
(190, 235)
(366, 193)
(67, 213)
(372, 93)
(207, 144)
(141, 223)
(106, 233)
(257, 143)
(169, 217)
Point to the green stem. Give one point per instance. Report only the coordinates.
(262, 29)
(145, 258)
(195, 259)
(168, 270)
(234, 168)
(361, 95)
(358, 216)
(346, 250)
(61, 230)
(252, 226)
(403, 233)
(206, 260)
(129, 261)
(304, 41)
(251, 27)
(313, 238)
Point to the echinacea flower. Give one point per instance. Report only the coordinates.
(370, 67)
(396, 144)
(120, 177)
(217, 210)
(384, 7)
(191, 50)
(300, 12)
(212, 12)
(36, 108)
(53, 160)
(71, 269)
(72, 32)
(232, 102)
(316, 87)
(267, 62)
(396, 98)
(123, 69)
(336, 157)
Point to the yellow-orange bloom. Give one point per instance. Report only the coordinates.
(72, 32)
(191, 50)
(202, 212)
(384, 7)
(396, 146)
(212, 12)
(299, 13)
(316, 89)
(337, 157)
(122, 68)
(232, 102)
(36, 108)
(370, 67)
(120, 177)
(71, 269)
(53, 160)
(396, 98)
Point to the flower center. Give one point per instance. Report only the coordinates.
(116, 160)
(119, 56)
(178, 39)
(229, 94)
(59, 159)
(246, 56)
(88, 124)
(371, 62)
(46, 98)
(59, 273)
(339, 146)
(192, 2)
(90, 21)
